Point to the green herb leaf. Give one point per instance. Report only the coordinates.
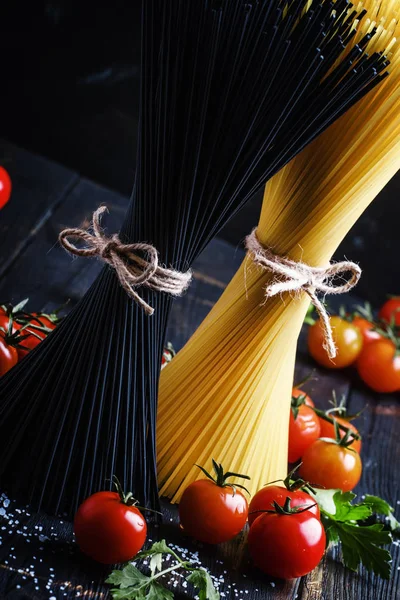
(201, 580)
(127, 577)
(133, 585)
(158, 592)
(157, 548)
(156, 563)
(129, 594)
(345, 511)
(361, 543)
(381, 507)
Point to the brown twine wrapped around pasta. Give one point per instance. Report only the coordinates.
(132, 270)
(295, 276)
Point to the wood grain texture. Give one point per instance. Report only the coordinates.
(38, 186)
(38, 559)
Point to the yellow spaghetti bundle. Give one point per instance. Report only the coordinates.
(227, 394)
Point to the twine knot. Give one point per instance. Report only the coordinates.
(295, 276)
(109, 247)
(131, 268)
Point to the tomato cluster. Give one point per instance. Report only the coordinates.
(327, 442)
(286, 538)
(373, 346)
(21, 332)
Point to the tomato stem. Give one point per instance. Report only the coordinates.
(306, 379)
(323, 415)
(286, 508)
(345, 441)
(128, 498)
(221, 477)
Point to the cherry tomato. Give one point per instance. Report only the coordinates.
(108, 530)
(331, 466)
(367, 330)
(212, 514)
(212, 510)
(5, 187)
(391, 310)
(264, 498)
(287, 546)
(298, 393)
(347, 338)
(328, 430)
(8, 355)
(304, 429)
(379, 366)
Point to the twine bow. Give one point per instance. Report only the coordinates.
(132, 270)
(296, 276)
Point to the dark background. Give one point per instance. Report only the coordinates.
(69, 91)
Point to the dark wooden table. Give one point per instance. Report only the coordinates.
(38, 557)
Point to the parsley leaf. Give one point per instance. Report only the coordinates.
(202, 580)
(361, 543)
(381, 507)
(134, 585)
(159, 592)
(127, 577)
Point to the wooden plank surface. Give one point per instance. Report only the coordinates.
(39, 186)
(38, 558)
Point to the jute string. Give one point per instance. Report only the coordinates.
(296, 276)
(132, 270)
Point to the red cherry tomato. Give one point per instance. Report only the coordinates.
(264, 498)
(379, 366)
(298, 393)
(391, 311)
(287, 546)
(108, 530)
(212, 514)
(367, 330)
(5, 187)
(8, 355)
(328, 430)
(331, 466)
(347, 338)
(303, 431)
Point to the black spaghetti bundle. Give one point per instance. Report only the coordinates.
(231, 91)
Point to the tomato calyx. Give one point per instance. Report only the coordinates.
(296, 403)
(386, 329)
(341, 410)
(345, 441)
(16, 310)
(294, 485)
(128, 498)
(286, 508)
(364, 312)
(15, 338)
(221, 477)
